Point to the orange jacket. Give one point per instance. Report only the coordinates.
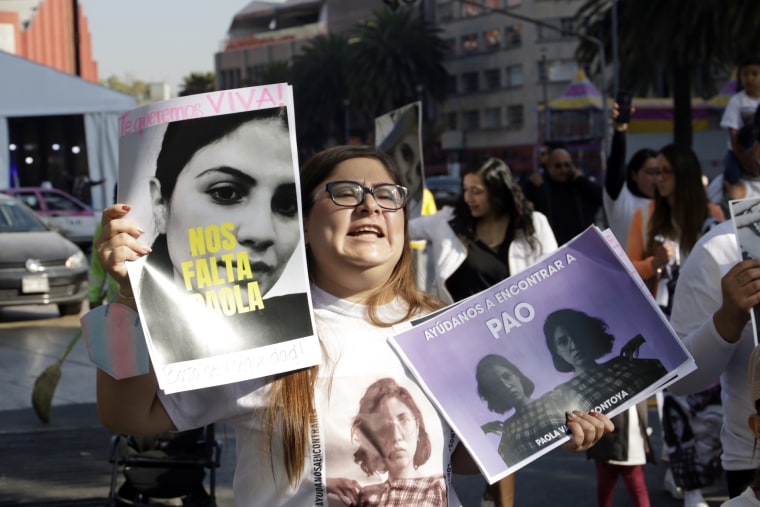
(636, 243)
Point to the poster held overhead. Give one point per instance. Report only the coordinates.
(399, 134)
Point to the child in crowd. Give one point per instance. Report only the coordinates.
(751, 496)
(737, 118)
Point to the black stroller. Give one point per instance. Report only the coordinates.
(167, 466)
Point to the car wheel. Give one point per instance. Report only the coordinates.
(70, 308)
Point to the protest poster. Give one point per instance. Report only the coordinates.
(576, 331)
(745, 215)
(213, 181)
(398, 133)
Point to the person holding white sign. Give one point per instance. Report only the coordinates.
(294, 444)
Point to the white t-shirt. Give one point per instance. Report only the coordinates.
(739, 112)
(698, 295)
(715, 189)
(746, 499)
(620, 212)
(357, 356)
(636, 445)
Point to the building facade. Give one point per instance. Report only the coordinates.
(263, 33)
(44, 31)
(501, 68)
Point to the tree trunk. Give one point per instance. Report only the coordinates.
(682, 126)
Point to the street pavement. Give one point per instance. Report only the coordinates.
(65, 462)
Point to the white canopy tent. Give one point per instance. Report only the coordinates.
(30, 89)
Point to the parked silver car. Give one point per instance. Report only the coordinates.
(38, 265)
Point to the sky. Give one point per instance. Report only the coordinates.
(158, 40)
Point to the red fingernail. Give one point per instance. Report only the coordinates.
(125, 207)
(592, 413)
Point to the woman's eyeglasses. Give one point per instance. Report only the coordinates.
(664, 173)
(350, 194)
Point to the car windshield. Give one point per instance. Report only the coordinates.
(14, 217)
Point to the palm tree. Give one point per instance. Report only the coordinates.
(319, 76)
(382, 64)
(197, 82)
(680, 40)
(272, 72)
(397, 57)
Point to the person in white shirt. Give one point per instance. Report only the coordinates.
(750, 497)
(293, 430)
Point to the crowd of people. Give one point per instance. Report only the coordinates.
(357, 230)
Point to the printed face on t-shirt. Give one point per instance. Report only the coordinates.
(396, 431)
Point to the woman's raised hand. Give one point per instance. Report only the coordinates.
(118, 243)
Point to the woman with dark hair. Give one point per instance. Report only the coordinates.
(293, 449)
(662, 235)
(216, 172)
(490, 234)
(627, 187)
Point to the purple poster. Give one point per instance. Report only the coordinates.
(574, 332)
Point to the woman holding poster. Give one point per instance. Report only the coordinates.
(293, 430)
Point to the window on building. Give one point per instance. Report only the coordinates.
(471, 120)
(515, 76)
(492, 39)
(562, 28)
(445, 12)
(567, 25)
(492, 78)
(469, 42)
(451, 84)
(513, 36)
(492, 118)
(515, 116)
(451, 43)
(470, 9)
(470, 82)
(451, 121)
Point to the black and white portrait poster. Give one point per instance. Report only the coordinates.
(399, 134)
(576, 331)
(213, 181)
(745, 214)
